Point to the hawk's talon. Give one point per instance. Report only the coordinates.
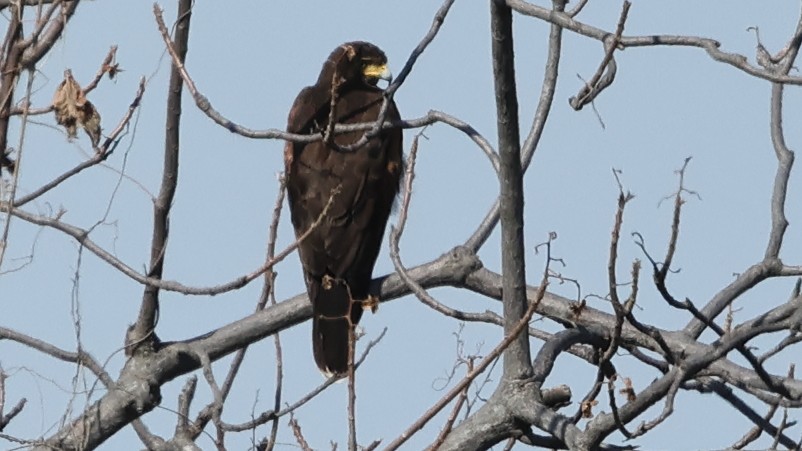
(372, 303)
(327, 281)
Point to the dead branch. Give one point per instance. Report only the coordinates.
(6, 418)
(605, 74)
(711, 46)
(82, 237)
(484, 364)
(142, 332)
(101, 153)
(273, 415)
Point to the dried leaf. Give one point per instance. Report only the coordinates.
(577, 307)
(628, 390)
(91, 123)
(587, 408)
(73, 109)
(112, 70)
(65, 103)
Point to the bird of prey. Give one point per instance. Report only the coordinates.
(340, 197)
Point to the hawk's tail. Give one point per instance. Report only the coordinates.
(331, 307)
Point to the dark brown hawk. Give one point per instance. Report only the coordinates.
(339, 253)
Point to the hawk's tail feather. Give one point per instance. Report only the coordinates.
(331, 307)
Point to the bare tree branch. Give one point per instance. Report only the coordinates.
(11, 69)
(82, 237)
(43, 40)
(605, 75)
(709, 45)
(273, 415)
(486, 362)
(516, 357)
(520, 409)
(101, 154)
(6, 418)
(143, 331)
(532, 140)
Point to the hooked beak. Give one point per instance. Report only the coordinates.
(378, 72)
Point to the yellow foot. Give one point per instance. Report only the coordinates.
(327, 282)
(372, 303)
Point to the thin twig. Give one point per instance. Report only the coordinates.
(101, 154)
(299, 436)
(82, 237)
(334, 93)
(711, 46)
(605, 74)
(272, 415)
(81, 357)
(530, 145)
(208, 374)
(452, 417)
(351, 412)
(437, 22)
(754, 433)
(15, 183)
(372, 128)
(6, 418)
(268, 293)
(577, 8)
(104, 69)
(270, 277)
(471, 375)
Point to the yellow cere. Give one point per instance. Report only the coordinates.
(377, 71)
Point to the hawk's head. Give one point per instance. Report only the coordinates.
(357, 63)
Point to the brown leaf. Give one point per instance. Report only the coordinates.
(577, 307)
(91, 122)
(112, 70)
(628, 390)
(587, 408)
(73, 109)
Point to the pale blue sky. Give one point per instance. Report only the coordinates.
(251, 59)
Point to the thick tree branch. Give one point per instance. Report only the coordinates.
(143, 330)
(455, 268)
(42, 41)
(771, 264)
(762, 424)
(517, 360)
(9, 75)
(530, 145)
(81, 357)
(683, 361)
(510, 338)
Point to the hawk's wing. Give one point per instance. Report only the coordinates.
(365, 180)
(338, 255)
